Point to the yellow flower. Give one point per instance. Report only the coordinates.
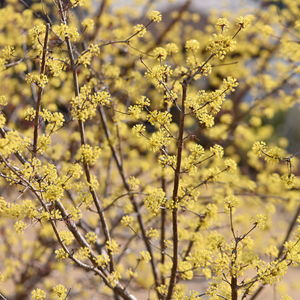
(59, 292)
(145, 256)
(88, 24)
(223, 24)
(160, 53)
(261, 221)
(88, 154)
(113, 246)
(259, 147)
(133, 182)
(91, 237)
(155, 16)
(39, 79)
(102, 260)
(3, 100)
(61, 254)
(20, 226)
(217, 150)
(231, 202)
(83, 253)
(138, 129)
(67, 237)
(221, 45)
(113, 278)
(230, 164)
(155, 199)
(38, 294)
(2, 120)
(127, 220)
(152, 233)
(244, 22)
(192, 45)
(140, 30)
(171, 48)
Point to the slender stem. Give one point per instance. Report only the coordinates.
(40, 92)
(281, 249)
(234, 288)
(163, 230)
(175, 194)
(131, 197)
(83, 140)
(191, 243)
(118, 289)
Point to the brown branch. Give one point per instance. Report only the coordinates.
(40, 92)
(175, 194)
(191, 243)
(233, 282)
(83, 139)
(131, 196)
(163, 217)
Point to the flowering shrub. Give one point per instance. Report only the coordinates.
(139, 155)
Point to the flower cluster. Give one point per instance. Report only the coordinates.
(88, 154)
(84, 106)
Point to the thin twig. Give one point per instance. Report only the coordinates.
(40, 92)
(131, 196)
(175, 193)
(83, 139)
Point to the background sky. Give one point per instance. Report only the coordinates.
(205, 4)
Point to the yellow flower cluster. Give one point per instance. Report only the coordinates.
(85, 58)
(88, 154)
(133, 182)
(127, 220)
(39, 79)
(66, 237)
(55, 120)
(155, 16)
(205, 105)
(84, 106)
(145, 256)
(83, 253)
(59, 292)
(158, 74)
(192, 45)
(12, 143)
(66, 31)
(91, 237)
(158, 140)
(160, 119)
(221, 45)
(155, 200)
(60, 254)
(160, 53)
(113, 246)
(245, 22)
(222, 24)
(38, 294)
(102, 260)
(140, 30)
(113, 278)
(3, 100)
